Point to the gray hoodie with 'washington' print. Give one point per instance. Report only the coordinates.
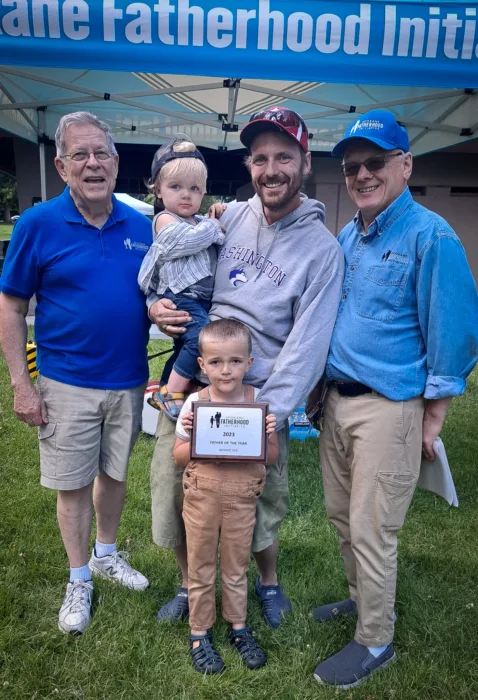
(284, 281)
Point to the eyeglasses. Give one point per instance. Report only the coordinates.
(81, 156)
(286, 117)
(371, 164)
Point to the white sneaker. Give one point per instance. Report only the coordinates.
(115, 567)
(75, 613)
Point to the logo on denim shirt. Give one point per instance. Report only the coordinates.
(390, 256)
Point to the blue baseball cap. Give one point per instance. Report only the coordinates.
(378, 126)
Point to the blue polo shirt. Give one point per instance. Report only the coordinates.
(408, 319)
(91, 324)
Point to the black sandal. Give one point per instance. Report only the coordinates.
(205, 658)
(246, 644)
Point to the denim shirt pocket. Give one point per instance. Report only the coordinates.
(382, 292)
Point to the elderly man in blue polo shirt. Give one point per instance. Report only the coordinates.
(405, 340)
(80, 254)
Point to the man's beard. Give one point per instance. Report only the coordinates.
(292, 189)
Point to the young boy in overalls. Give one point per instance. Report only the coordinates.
(220, 503)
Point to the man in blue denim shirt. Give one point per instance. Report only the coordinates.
(405, 340)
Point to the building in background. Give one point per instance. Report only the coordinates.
(444, 181)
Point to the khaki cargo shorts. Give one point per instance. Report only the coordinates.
(167, 492)
(87, 430)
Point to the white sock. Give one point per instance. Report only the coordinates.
(376, 651)
(103, 550)
(81, 573)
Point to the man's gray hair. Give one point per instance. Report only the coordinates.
(81, 118)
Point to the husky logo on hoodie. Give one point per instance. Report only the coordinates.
(237, 276)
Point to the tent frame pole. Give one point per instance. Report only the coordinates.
(42, 139)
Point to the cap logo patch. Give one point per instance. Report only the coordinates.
(367, 124)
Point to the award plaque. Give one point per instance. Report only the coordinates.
(223, 431)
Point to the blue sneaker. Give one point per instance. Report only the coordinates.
(177, 609)
(334, 611)
(352, 666)
(274, 603)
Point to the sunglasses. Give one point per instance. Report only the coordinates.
(371, 164)
(283, 116)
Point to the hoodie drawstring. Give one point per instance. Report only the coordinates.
(271, 245)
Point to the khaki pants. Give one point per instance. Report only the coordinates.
(370, 452)
(219, 507)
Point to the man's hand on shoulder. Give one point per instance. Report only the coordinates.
(216, 210)
(28, 405)
(168, 318)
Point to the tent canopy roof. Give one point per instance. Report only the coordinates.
(149, 107)
(334, 62)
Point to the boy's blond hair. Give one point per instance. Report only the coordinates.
(225, 329)
(170, 170)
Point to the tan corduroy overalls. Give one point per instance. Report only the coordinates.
(220, 507)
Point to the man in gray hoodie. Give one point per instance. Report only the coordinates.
(280, 272)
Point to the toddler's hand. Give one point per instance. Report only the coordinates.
(188, 421)
(271, 422)
(216, 210)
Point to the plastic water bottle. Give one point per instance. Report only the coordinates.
(299, 425)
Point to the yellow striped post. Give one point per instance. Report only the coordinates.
(32, 359)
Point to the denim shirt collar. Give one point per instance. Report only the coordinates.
(387, 217)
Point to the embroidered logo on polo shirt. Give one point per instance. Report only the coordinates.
(135, 245)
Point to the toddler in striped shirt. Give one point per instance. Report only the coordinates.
(181, 262)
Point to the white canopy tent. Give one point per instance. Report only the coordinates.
(137, 204)
(149, 107)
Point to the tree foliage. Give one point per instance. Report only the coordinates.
(207, 201)
(8, 196)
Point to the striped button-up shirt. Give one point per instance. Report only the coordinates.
(179, 256)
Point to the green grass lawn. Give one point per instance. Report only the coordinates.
(126, 655)
(5, 230)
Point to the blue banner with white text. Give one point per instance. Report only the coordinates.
(402, 43)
